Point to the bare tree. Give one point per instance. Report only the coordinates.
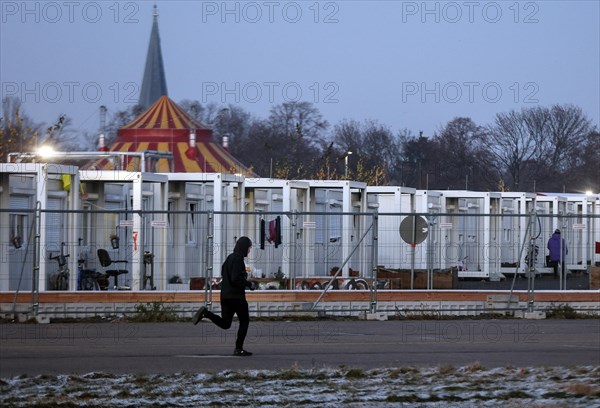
(193, 108)
(211, 115)
(348, 135)
(61, 136)
(18, 133)
(258, 148)
(567, 132)
(234, 123)
(299, 118)
(374, 150)
(417, 160)
(584, 175)
(119, 119)
(462, 160)
(537, 146)
(87, 141)
(272, 153)
(510, 142)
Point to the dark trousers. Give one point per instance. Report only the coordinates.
(230, 307)
(556, 265)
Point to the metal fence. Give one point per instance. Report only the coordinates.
(183, 250)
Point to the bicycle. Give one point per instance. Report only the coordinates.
(89, 279)
(61, 280)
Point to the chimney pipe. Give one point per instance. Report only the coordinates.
(191, 151)
(101, 139)
(193, 138)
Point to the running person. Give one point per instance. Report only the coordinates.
(233, 295)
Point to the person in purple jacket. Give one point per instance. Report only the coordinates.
(233, 295)
(558, 252)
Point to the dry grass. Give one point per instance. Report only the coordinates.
(447, 386)
(582, 389)
(474, 367)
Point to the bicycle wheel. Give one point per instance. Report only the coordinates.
(87, 283)
(51, 283)
(62, 281)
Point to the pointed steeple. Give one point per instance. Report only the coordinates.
(154, 83)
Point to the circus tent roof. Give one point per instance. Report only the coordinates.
(167, 127)
(165, 116)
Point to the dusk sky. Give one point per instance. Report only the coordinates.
(414, 65)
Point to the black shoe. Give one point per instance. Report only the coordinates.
(200, 314)
(241, 353)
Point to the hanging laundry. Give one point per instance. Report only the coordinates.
(262, 233)
(272, 234)
(277, 231)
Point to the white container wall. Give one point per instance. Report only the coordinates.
(579, 226)
(274, 203)
(124, 223)
(548, 210)
(178, 227)
(470, 239)
(390, 203)
(336, 232)
(54, 190)
(196, 204)
(515, 208)
(427, 255)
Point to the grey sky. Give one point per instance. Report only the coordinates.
(408, 64)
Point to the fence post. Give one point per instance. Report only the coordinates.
(208, 269)
(293, 249)
(375, 262)
(531, 264)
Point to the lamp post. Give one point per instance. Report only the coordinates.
(348, 153)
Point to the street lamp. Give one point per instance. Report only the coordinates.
(348, 153)
(46, 151)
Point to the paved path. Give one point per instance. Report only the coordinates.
(181, 347)
(575, 281)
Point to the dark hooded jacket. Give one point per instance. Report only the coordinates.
(233, 271)
(555, 243)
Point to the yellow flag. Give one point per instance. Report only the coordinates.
(66, 182)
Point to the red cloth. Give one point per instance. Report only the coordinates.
(275, 232)
(272, 232)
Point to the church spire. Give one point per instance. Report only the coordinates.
(154, 83)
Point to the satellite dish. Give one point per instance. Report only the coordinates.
(414, 229)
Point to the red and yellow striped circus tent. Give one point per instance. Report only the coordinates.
(165, 127)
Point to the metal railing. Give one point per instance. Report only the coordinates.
(314, 250)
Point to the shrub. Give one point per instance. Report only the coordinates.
(154, 312)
